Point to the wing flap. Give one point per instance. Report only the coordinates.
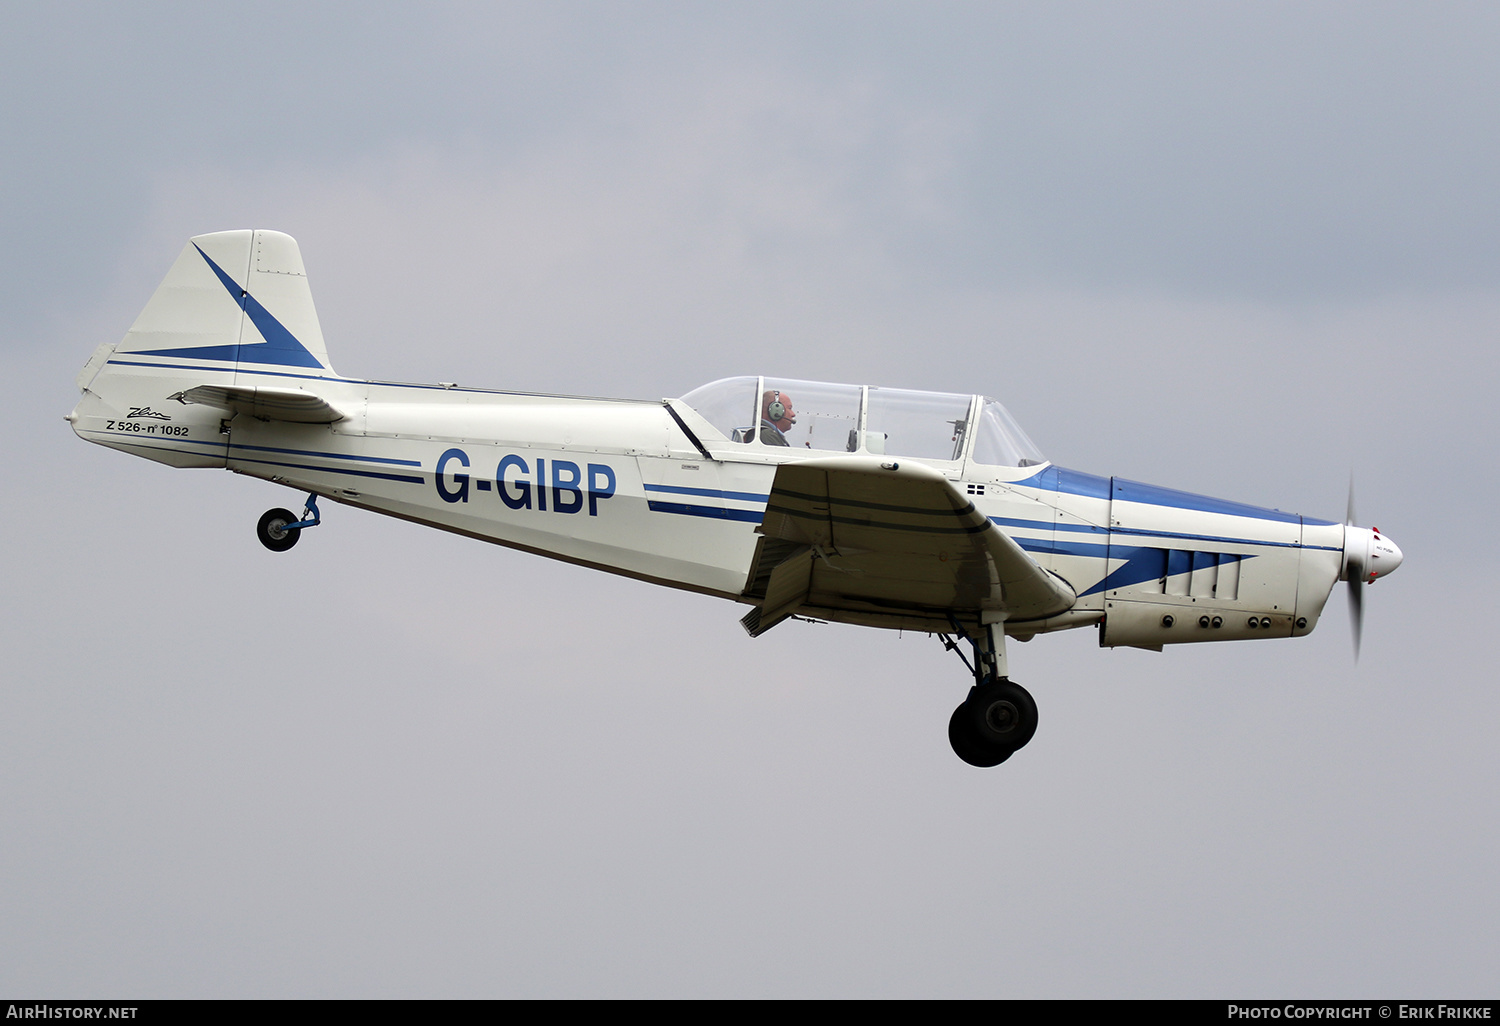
(291, 405)
(892, 536)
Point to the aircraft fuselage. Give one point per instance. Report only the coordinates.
(620, 486)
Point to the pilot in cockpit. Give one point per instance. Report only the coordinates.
(776, 417)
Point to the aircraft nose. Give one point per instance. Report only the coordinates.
(1385, 555)
(1368, 554)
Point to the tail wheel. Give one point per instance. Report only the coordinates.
(272, 530)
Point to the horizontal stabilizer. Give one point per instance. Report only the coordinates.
(290, 405)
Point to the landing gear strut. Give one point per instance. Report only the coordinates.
(279, 529)
(999, 716)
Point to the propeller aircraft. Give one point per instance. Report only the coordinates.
(882, 507)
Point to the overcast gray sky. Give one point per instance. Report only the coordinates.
(1241, 249)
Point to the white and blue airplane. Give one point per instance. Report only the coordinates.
(921, 511)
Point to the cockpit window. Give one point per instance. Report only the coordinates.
(999, 441)
(728, 404)
(927, 425)
(786, 412)
(809, 415)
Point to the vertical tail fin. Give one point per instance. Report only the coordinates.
(232, 300)
(235, 308)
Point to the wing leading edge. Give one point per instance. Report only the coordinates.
(864, 537)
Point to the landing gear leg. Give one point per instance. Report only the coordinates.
(999, 716)
(279, 529)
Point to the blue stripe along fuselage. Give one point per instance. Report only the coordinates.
(749, 516)
(289, 452)
(1144, 562)
(1073, 482)
(689, 509)
(710, 493)
(1141, 562)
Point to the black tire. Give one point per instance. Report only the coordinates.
(271, 530)
(1003, 714)
(968, 745)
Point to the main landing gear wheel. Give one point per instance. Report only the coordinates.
(272, 530)
(1004, 713)
(995, 721)
(963, 735)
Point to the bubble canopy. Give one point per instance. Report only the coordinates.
(762, 412)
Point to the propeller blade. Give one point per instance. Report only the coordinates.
(1356, 578)
(1356, 609)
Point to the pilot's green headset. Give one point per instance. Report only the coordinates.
(776, 409)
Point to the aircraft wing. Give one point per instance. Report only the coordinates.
(857, 534)
(285, 404)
